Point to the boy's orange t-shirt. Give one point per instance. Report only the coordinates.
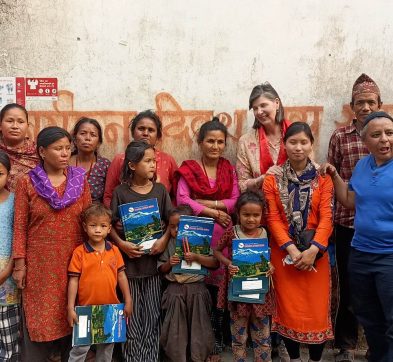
(97, 272)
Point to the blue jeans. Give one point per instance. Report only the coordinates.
(371, 285)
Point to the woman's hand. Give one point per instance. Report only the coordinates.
(223, 218)
(233, 269)
(19, 277)
(174, 260)
(132, 250)
(327, 168)
(294, 253)
(308, 259)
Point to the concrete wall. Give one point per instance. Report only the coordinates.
(192, 59)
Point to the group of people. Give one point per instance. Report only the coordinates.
(62, 242)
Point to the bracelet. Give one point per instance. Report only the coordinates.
(20, 268)
(216, 204)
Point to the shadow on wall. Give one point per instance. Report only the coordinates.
(179, 126)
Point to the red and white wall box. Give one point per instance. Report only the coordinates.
(41, 88)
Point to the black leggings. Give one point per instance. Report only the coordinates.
(293, 348)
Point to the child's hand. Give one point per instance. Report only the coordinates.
(190, 257)
(132, 250)
(174, 259)
(271, 270)
(128, 308)
(72, 318)
(158, 247)
(233, 269)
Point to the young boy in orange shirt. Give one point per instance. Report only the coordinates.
(95, 270)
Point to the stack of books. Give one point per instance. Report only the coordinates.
(251, 283)
(194, 235)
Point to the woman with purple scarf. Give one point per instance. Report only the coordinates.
(48, 204)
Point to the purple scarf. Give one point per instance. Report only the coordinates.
(44, 188)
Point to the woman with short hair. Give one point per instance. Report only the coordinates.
(370, 264)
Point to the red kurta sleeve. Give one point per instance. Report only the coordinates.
(113, 178)
(325, 224)
(21, 218)
(86, 196)
(276, 221)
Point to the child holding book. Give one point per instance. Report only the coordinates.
(96, 268)
(9, 296)
(247, 316)
(143, 331)
(186, 302)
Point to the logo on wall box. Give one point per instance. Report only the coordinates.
(131, 209)
(186, 227)
(241, 245)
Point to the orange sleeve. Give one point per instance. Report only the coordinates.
(119, 259)
(325, 212)
(75, 266)
(276, 225)
(21, 218)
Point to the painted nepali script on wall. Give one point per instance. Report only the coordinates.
(180, 126)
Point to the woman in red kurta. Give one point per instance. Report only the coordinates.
(300, 199)
(145, 126)
(48, 204)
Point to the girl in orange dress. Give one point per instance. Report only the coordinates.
(300, 199)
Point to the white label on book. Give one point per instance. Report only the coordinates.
(250, 296)
(193, 266)
(82, 326)
(251, 284)
(147, 244)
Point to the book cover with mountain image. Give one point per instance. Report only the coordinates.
(194, 235)
(141, 222)
(252, 257)
(99, 324)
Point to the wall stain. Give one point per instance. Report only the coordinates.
(180, 126)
